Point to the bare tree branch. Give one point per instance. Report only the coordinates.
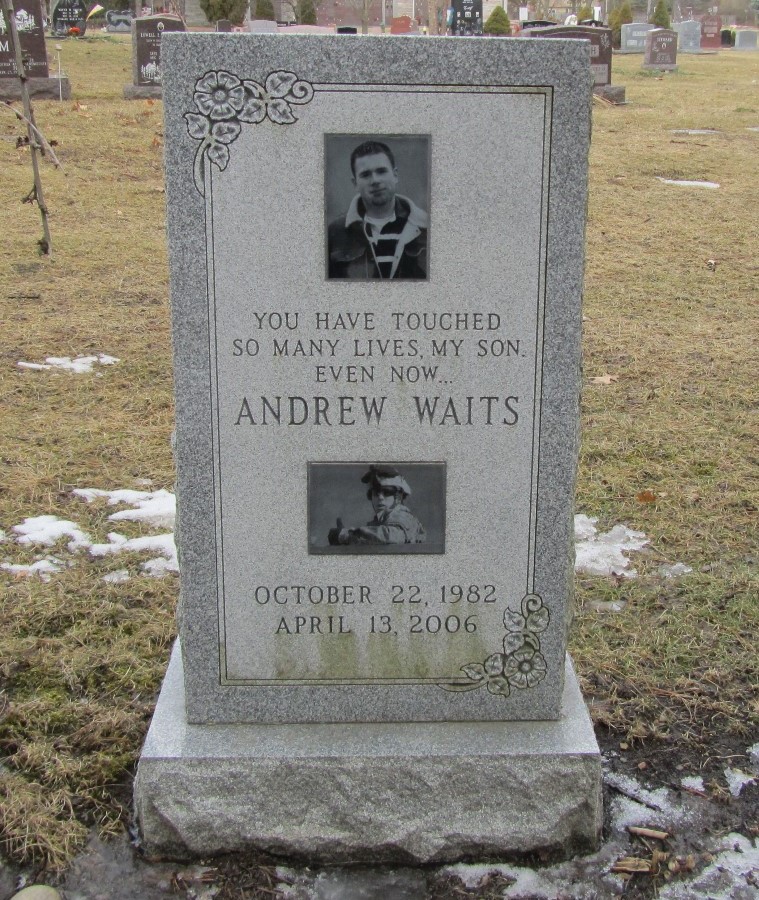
(44, 143)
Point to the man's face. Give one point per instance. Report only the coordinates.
(376, 181)
(383, 499)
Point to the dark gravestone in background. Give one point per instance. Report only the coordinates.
(31, 37)
(600, 46)
(69, 14)
(711, 26)
(467, 16)
(224, 26)
(147, 47)
(661, 49)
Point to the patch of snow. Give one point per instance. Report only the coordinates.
(732, 875)
(737, 780)
(45, 567)
(682, 183)
(752, 128)
(639, 806)
(79, 366)
(118, 577)
(156, 508)
(693, 782)
(161, 543)
(675, 570)
(753, 753)
(48, 530)
(603, 554)
(613, 606)
(695, 131)
(2, 535)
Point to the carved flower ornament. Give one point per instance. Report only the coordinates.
(224, 102)
(521, 665)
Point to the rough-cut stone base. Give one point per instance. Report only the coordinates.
(142, 92)
(52, 88)
(614, 93)
(371, 793)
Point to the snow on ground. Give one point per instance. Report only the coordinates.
(156, 508)
(737, 780)
(681, 183)
(732, 875)
(603, 554)
(45, 567)
(48, 530)
(158, 543)
(78, 366)
(693, 783)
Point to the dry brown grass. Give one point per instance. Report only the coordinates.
(81, 661)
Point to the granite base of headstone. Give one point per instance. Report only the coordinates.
(147, 71)
(369, 793)
(661, 50)
(31, 36)
(377, 439)
(746, 39)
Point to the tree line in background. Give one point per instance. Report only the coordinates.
(304, 11)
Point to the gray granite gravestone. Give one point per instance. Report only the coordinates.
(634, 36)
(746, 39)
(375, 484)
(118, 22)
(147, 68)
(31, 35)
(688, 36)
(661, 50)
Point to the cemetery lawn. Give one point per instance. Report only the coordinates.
(669, 438)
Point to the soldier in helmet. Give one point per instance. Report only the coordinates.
(393, 521)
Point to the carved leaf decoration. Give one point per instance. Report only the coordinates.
(253, 110)
(494, 665)
(538, 621)
(514, 621)
(197, 126)
(512, 642)
(225, 132)
(280, 113)
(499, 686)
(279, 84)
(531, 640)
(218, 154)
(474, 671)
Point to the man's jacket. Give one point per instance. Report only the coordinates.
(351, 254)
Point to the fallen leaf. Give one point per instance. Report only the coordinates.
(646, 497)
(604, 379)
(632, 865)
(155, 142)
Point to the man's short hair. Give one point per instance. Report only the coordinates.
(367, 149)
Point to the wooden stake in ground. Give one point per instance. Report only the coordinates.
(36, 193)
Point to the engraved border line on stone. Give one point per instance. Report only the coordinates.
(224, 102)
(521, 665)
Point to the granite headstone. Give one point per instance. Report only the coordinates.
(31, 35)
(661, 50)
(746, 39)
(375, 484)
(633, 39)
(68, 15)
(118, 22)
(711, 27)
(600, 46)
(688, 36)
(147, 69)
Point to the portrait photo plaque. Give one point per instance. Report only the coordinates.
(375, 278)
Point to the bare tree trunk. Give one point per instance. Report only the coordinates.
(36, 193)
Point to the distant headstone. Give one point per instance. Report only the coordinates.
(147, 70)
(262, 26)
(467, 17)
(661, 50)
(634, 36)
(746, 39)
(600, 46)
(537, 23)
(403, 25)
(224, 26)
(118, 22)
(376, 484)
(31, 35)
(688, 36)
(69, 14)
(727, 37)
(711, 26)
